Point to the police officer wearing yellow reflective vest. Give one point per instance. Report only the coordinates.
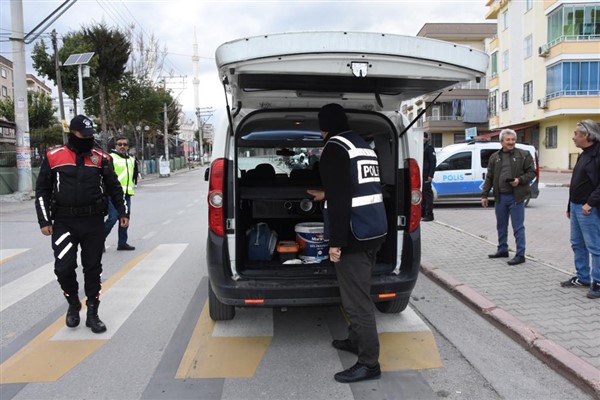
(356, 225)
(70, 201)
(127, 172)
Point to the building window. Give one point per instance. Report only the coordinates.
(551, 137)
(528, 5)
(3, 73)
(494, 63)
(493, 103)
(527, 92)
(504, 102)
(4, 91)
(528, 46)
(436, 139)
(505, 60)
(573, 78)
(505, 20)
(579, 21)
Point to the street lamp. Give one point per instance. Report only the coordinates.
(79, 60)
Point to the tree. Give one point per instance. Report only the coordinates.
(7, 109)
(40, 109)
(112, 49)
(43, 62)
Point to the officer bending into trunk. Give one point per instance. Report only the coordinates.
(71, 201)
(356, 225)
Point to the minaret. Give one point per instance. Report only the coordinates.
(196, 81)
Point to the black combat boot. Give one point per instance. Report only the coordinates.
(92, 320)
(72, 319)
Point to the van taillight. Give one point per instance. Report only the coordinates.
(415, 194)
(216, 222)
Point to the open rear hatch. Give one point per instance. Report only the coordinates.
(277, 84)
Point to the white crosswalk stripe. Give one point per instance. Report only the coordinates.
(5, 254)
(22, 287)
(121, 300)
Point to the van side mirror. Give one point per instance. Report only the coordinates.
(206, 174)
(443, 166)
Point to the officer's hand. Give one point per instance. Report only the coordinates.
(568, 215)
(123, 222)
(430, 179)
(335, 253)
(46, 230)
(319, 195)
(484, 202)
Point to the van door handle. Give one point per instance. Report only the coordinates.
(468, 173)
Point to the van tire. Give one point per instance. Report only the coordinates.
(394, 306)
(217, 310)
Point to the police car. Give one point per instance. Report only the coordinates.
(258, 203)
(461, 170)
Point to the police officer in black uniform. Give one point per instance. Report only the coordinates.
(356, 225)
(429, 164)
(71, 201)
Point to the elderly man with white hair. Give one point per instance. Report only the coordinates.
(583, 209)
(510, 171)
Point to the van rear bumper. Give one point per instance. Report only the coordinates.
(302, 292)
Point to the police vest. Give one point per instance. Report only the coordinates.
(368, 218)
(124, 167)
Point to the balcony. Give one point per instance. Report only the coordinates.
(495, 7)
(441, 124)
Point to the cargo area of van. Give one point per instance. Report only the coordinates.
(282, 224)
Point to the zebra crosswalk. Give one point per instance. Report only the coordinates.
(224, 349)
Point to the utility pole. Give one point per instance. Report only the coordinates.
(61, 105)
(23, 148)
(196, 81)
(166, 128)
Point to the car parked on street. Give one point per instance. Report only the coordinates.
(259, 209)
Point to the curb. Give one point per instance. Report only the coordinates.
(585, 375)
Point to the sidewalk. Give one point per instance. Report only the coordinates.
(559, 325)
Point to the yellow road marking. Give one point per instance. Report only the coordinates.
(220, 357)
(45, 360)
(408, 350)
(12, 253)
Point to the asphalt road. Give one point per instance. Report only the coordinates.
(160, 343)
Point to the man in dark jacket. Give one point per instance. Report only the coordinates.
(70, 201)
(510, 170)
(583, 209)
(356, 225)
(429, 164)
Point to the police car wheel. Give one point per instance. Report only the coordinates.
(394, 306)
(218, 311)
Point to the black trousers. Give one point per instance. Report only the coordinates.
(354, 276)
(427, 203)
(69, 233)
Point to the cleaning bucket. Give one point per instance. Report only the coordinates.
(311, 242)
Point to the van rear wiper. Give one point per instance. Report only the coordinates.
(420, 114)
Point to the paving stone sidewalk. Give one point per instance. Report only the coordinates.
(538, 308)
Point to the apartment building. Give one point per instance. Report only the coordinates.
(34, 84)
(545, 73)
(6, 78)
(462, 111)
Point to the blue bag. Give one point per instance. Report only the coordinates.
(261, 242)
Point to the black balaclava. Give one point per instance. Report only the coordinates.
(333, 120)
(81, 145)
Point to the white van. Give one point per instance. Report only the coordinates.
(258, 180)
(461, 170)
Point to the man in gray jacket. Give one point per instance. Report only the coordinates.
(510, 170)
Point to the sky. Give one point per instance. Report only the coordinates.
(174, 22)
